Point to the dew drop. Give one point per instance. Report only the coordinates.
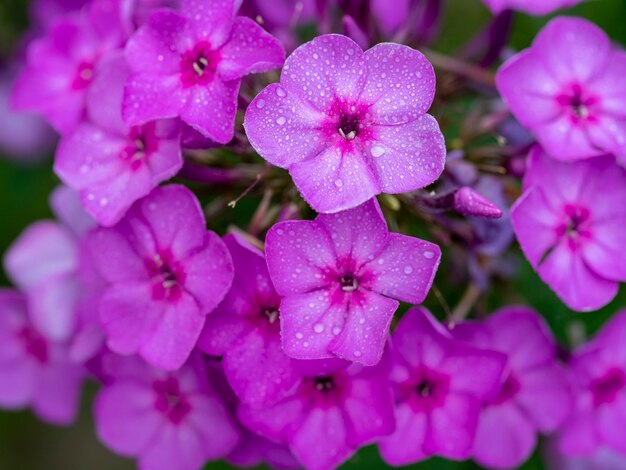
(280, 120)
(377, 151)
(299, 335)
(280, 92)
(429, 254)
(408, 270)
(260, 103)
(338, 183)
(318, 327)
(336, 330)
(357, 353)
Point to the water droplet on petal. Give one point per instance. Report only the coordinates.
(260, 103)
(338, 183)
(408, 270)
(299, 335)
(318, 327)
(280, 92)
(280, 120)
(377, 151)
(429, 254)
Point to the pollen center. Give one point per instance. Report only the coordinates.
(349, 283)
(348, 127)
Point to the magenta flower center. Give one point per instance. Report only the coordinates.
(349, 283)
(141, 144)
(324, 390)
(510, 388)
(425, 390)
(198, 65)
(575, 225)
(84, 75)
(170, 400)
(579, 103)
(34, 344)
(167, 277)
(324, 384)
(606, 388)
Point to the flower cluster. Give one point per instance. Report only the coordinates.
(300, 332)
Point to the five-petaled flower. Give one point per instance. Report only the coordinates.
(190, 65)
(568, 89)
(349, 124)
(111, 164)
(535, 395)
(339, 275)
(166, 420)
(165, 273)
(439, 385)
(570, 223)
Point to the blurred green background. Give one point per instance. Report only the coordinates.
(26, 443)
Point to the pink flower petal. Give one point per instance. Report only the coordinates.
(299, 255)
(211, 21)
(405, 269)
(364, 334)
(410, 426)
(339, 69)
(283, 127)
(334, 181)
(400, 83)
(249, 49)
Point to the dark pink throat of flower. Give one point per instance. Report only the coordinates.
(270, 314)
(84, 76)
(426, 391)
(167, 278)
(574, 229)
(325, 384)
(509, 389)
(198, 66)
(34, 344)
(578, 102)
(605, 389)
(348, 126)
(170, 400)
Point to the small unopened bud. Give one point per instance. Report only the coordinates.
(469, 202)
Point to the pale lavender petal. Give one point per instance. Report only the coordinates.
(410, 426)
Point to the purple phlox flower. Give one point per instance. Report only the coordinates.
(23, 136)
(43, 263)
(439, 385)
(411, 20)
(340, 276)
(44, 13)
(245, 331)
(469, 202)
(35, 371)
(349, 124)
(333, 412)
(531, 7)
(113, 165)
(165, 420)
(599, 373)
(190, 65)
(352, 29)
(603, 459)
(68, 210)
(567, 88)
(165, 273)
(61, 65)
(535, 395)
(570, 224)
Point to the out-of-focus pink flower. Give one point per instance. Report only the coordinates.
(598, 369)
(35, 371)
(340, 276)
(348, 124)
(111, 164)
(190, 65)
(245, 331)
(165, 273)
(535, 395)
(166, 420)
(330, 415)
(532, 7)
(61, 65)
(568, 89)
(570, 223)
(439, 385)
(24, 137)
